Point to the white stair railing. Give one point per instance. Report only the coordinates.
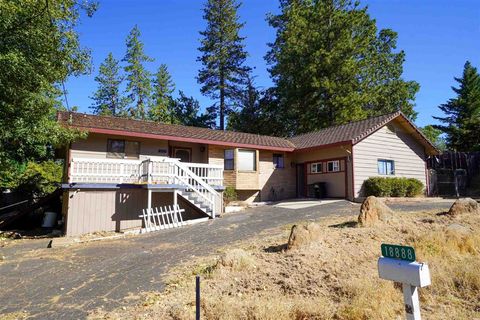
(196, 184)
(181, 174)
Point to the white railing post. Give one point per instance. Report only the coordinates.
(149, 171)
(122, 172)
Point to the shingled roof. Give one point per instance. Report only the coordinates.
(354, 132)
(347, 133)
(150, 129)
(350, 133)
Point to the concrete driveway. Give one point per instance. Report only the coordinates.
(67, 283)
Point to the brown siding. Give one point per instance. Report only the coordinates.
(395, 145)
(113, 210)
(95, 146)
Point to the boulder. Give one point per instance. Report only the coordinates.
(303, 235)
(463, 206)
(372, 211)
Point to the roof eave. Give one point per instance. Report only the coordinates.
(182, 139)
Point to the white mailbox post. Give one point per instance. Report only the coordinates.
(411, 274)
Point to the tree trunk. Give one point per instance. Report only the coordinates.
(222, 103)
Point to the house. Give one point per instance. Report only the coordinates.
(125, 165)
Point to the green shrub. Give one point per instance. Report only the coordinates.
(41, 178)
(378, 187)
(229, 194)
(393, 187)
(415, 187)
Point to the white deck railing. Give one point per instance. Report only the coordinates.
(160, 170)
(104, 171)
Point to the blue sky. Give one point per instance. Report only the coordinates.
(438, 36)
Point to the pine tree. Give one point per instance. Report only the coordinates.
(223, 56)
(435, 136)
(330, 65)
(185, 111)
(162, 100)
(107, 99)
(138, 78)
(462, 113)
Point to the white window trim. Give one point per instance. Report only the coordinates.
(386, 173)
(239, 164)
(335, 167)
(315, 165)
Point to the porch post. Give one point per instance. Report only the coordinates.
(149, 200)
(175, 198)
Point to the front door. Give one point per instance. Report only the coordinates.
(184, 154)
(300, 181)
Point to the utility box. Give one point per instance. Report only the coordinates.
(412, 273)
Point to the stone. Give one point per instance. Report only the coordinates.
(459, 229)
(464, 206)
(303, 235)
(372, 211)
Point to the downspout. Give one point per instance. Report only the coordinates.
(353, 174)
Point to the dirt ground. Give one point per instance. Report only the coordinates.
(334, 277)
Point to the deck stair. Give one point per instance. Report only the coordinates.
(197, 201)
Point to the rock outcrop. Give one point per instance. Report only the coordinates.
(303, 235)
(464, 206)
(372, 211)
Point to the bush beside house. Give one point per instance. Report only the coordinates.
(229, 195)
(393, 187)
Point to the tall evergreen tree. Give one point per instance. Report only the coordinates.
(138, 78)
(462, 113)
(223, 56)
(435, 136)
(39, 49)
(107, 98)
(331, 65)
(186, 112)
(162, 100)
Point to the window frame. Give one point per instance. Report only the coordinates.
(316, 165)
(276, 163)
(228, 160)
(123, 153)
(254, 160)
(335, 166)
(384, 164)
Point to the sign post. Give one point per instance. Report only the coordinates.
(398, 264)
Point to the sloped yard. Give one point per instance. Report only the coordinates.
(334, 277)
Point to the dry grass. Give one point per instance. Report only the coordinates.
(333, 278)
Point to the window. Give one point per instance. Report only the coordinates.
(278, 160)
(247, 160)
(333, 166)
(132, 149)
(386, 167)
(122, 149)
(184, 154)
(316, 167)
(228, 162)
